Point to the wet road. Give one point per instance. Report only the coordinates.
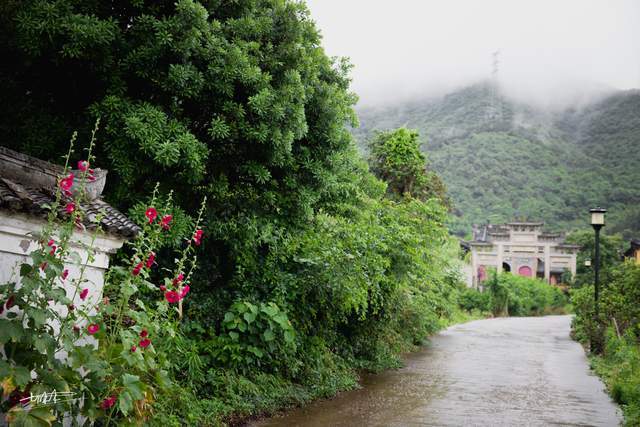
(496, 372)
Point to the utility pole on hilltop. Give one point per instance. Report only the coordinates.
(494, 112)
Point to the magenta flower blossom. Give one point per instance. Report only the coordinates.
(197, 237)
(83, 165)
(137, 269)
(151, 259)
(151, 214)
(84, 293)
(93, 328)
(166, 220)
(172, 297)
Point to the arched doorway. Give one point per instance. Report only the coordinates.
(524, 271)
(506, 267)
(482, 274)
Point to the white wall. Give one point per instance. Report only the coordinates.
(16, 244)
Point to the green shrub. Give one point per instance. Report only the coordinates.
(619, 313)
(515, 295)
(473, 299)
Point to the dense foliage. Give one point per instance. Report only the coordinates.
(308, 272)
(611, 249)
(525, 162)
(395, 157)
(619, 314)
(507, 294)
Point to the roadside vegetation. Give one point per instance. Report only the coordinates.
(507, 294)
(619, 321)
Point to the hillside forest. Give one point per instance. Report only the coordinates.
(526, 162)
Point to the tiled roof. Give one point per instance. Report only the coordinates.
(24, 192)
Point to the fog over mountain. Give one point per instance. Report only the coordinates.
(551, 53)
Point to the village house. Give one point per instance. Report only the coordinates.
(27, 188)
(521, 248)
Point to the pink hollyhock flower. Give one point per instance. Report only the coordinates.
(91, 171)
(178, 279)
(137, 269)
(172, 296)
(144, 343)
(197, 237)
(84, 293)
(70, 208)
(52, 252)
(108, 402)
(151, 214)
(83, 165)
(144, 333)
(93, 328)
(51, 242)
(133, 348)
(163, 288)
(10, 302)
(91, 178)
(164, 223)
(65, 273)
(151, 259)
(185, 291)
(66, 183)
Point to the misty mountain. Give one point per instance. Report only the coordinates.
(502, 159)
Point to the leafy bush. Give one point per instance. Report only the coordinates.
(515, 295)
(472, 299)
(619, 314)
(620, 370)
(255, 336)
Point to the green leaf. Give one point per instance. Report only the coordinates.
(10, 331)
(35, 417)
(268, 335)
(44, 344)
(25, 269)
(249, 317)
(234, 335)
(125, 402)
(39, 316)
(133, 385)
(289, 336)
(21, 375)
(229, 316)
(162, 379)
(256, 351)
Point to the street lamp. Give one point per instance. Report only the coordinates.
(597, 222)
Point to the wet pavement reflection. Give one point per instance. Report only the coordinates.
(495, 372)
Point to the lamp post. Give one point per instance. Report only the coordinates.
(597, 222)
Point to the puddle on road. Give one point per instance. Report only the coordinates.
(497, 372)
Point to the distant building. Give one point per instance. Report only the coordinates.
(521, 248)
(633, 252)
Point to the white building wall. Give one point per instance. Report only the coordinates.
(16, 243)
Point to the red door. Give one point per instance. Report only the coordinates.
(524, 271)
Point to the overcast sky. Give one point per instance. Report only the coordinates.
(550, 50)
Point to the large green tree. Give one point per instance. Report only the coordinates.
(233, 99)
(395, 158)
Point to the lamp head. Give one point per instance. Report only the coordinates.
(597, 216)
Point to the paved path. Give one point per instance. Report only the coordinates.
(496, 372)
